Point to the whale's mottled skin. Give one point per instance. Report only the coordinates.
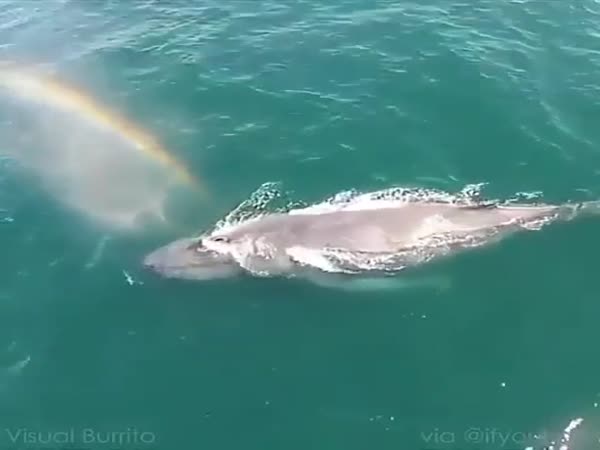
(406, 234)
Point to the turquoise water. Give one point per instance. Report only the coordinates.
(321, 97)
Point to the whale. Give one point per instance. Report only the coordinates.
(378, 241)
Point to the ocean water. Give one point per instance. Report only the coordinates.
(491, 349)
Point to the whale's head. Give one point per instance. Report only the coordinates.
(193, 259)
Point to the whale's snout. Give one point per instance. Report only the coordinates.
(189, 259)
(152, 261)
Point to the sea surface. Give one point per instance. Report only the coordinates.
(491, 349)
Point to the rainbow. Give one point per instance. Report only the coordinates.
(44, 88)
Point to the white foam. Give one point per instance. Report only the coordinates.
(353, 206)
(566, 436)
(389, 198)
(17, 367)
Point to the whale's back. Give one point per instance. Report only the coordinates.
(385, 229)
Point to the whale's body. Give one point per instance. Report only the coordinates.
(382, 240)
